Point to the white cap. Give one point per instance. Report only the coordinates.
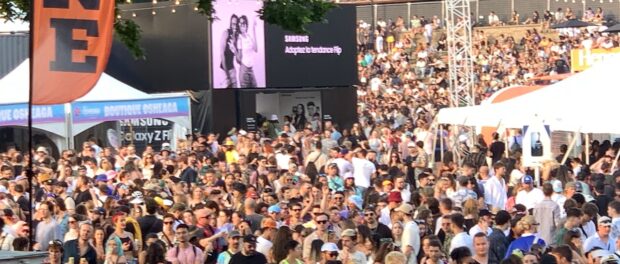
(42, 149)
(274, 117)
(330, 247)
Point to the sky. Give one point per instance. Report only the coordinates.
(12, 26)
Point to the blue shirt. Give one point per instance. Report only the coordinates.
(524, 244)
(335, 183)
(596, 241)
(336, 135)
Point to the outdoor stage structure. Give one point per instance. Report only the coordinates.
(460, 61)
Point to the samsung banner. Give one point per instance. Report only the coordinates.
(17, 114)
(84, 112)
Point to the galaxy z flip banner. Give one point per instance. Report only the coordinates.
(249, 53)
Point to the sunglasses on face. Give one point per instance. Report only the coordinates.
(321, 222)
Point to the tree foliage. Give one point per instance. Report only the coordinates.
(292, 15)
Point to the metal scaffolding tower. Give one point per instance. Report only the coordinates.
(460, 66)
(460, 61)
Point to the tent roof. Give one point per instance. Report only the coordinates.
(14, 88)
(584, 102)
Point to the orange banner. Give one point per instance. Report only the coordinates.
(581, 59)
(72, 41)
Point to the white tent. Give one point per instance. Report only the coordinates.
(15, 86)
(583, 102)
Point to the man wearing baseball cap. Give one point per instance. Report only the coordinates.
(349, 253)
(268, 233)
(248, 253)
(601, 239)
(233, 248)
(394, 199)
(529, 196)
(410, 241)
(330, 252)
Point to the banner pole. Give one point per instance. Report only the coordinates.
(30, 171)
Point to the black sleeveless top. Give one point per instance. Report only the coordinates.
(228, 60)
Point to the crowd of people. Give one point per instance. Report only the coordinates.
(377, 192)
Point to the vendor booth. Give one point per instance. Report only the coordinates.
(109, 100)
(584, 102)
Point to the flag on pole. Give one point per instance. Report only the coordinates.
(71, 46)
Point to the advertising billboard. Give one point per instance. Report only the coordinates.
(238, 41)
(324, 57)
(582, 59)
(248, 53)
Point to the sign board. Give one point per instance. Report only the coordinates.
(84, 112)
(71, 45)
(582, 59)
(146, 131)
(536, 144)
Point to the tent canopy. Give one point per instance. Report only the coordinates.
(582, 102)
(108, 91)
(15, 86)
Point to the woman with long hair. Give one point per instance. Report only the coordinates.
(315, 251)
(299, 118)
(572, 238)
(114, 252)
(126, 244)
(470, 212)
(155, 254)
(293, 249)
(99, 244)
(105, 165)
(283, 236)
(246, 50)
(397, 233)
(147, 165)
(228, 50)
(73, 227)
(198, 197)
(379, 255)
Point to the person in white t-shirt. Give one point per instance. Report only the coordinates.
(461, 238)
(483, 225)
(263, 242)
(363, 169)
(410, 240)
(529, 196)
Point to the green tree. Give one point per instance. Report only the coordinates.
(292, 15)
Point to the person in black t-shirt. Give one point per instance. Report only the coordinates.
(82, 194)
(248, 254)
(378, 230)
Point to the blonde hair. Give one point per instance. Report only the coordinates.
(395, 257)
(526, 223)
(470, 207)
